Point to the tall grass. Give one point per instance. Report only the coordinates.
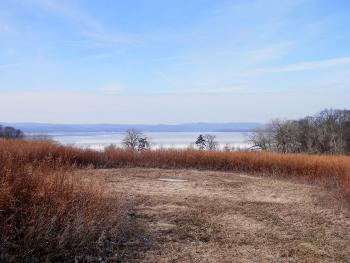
(330, 170)
(327, 170)
(48, 214)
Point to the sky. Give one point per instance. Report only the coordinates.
(155, 61)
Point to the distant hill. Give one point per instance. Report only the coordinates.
(186, 127)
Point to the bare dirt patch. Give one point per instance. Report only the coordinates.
(204, 216)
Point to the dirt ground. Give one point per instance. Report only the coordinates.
(204, 216)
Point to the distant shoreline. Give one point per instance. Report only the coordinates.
(44, 128)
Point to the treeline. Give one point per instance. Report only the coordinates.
(8, 132)
(326, 132)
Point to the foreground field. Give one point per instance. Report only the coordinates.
(205, 216)
(57, 205)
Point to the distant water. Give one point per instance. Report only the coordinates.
(99, 140)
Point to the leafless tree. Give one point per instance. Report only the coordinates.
(135, 140)
(326, 132)
(285, 134)
(260, 139)
(307, 135)
(210, 142)
(131, 139)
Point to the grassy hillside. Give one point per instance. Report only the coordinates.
(48, 212)
(328, 170)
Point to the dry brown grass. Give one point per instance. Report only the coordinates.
(327, 170)
(47, 214)
(207, 216)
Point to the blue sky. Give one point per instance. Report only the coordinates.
(111, 61)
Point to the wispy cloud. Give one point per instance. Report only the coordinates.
(69, 13)
(90, 27)
(16, 64)
(168, 79)
(266, 54)
(98, 57)
(157, 59)
(214, 89)
(102, 37)
(304, 66)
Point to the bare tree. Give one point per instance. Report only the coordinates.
(347, 137)
(135, 140)
(326, 132)
(131, 139)
(307, 135)
(260, 139)
(210, 142)
(285, 134)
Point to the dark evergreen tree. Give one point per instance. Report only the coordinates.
(200, 142)
(143, 144)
